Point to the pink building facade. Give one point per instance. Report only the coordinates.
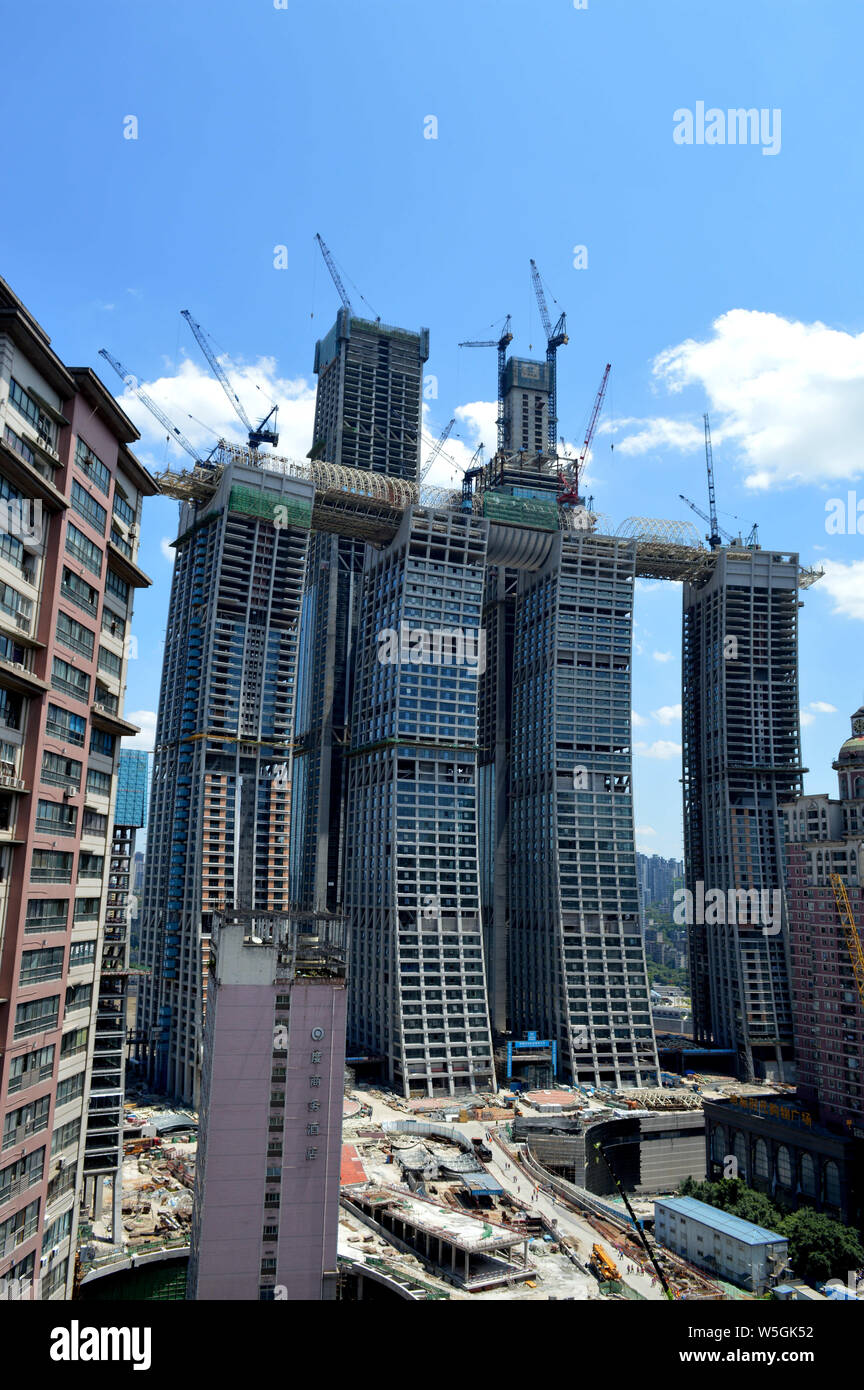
(267, 1183)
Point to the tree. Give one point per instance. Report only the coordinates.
(821, 1248)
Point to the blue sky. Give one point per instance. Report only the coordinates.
(718, 277)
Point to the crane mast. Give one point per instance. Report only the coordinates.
(501, 344)
(714, 538)
(258, 436)
(555, 337)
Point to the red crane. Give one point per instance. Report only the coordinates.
(569, 495)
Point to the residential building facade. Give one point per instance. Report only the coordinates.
(72, 493)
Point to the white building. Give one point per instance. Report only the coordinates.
(721, 1244)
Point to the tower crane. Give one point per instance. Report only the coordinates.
(501, 344)
(257, 437)
(717, 535)
(714, 538)
(334, 273)
(436, 449)
(569, 495)
(555, 337)
(752, 540)
(850, 930)
(130, 380)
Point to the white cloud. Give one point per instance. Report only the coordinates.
(638, 720)
(845, 584)
(661, 748)
(662, 656)
(189, 390)
(815, 707)
(667, 714)
(167, 549)
(786, 396)
(644, 831)
(146, 720)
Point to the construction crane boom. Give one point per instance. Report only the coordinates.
(129, 379)
(555, 337)
(334, 273)
(714, 539)
(436, 449)
(570, 494)
(850, 930)
(501, 344)
(258, 436)
(706, 517)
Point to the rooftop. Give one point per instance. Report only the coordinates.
(745, 1231)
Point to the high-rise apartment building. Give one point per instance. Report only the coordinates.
(220, 806)
(103, 1148)
(266, 1215)
(578, 970)
(741, 762)
(825, 837)
(412, 893)
(368, 414)
(71, 494)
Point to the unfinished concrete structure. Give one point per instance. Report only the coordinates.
(267, 1177)
(368, 412)
(103, 1148)
(221, 790)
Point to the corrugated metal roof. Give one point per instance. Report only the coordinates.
(481, 1182)
(745, 1231)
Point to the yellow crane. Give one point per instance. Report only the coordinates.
(853, 940)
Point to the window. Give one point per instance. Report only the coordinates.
(82, 953)
(70, 681)
(77, 997)
(47, 914)
(36, 1016)
(77, 544)
(51, 866)
(112, 624)
(86, 910)
(26, 1120)
(23, 1173)
(98, 782)
(93, 823)
(97, 474)
(55, 818)
(10, 710)
(784, 1167)
(18, 445)
(65, 725)
(109, 661)
(74, 1042)
(70, 1089)
(43, 963)
(16, 604)
(90, 865)
(58, 771)
(88, 507)
(74, 635)
(11, 650)
(79, 591)
(19, 1227)
(30, 408)
(100, 742)
(117, 586)
(122, 508)
(29, 1068)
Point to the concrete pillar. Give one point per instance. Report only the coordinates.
(467, 1260)
(98, 1193)
(117, 1204)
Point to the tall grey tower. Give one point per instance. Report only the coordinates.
(221, 790)
(368, 413)
(577, 960)
(742, 760)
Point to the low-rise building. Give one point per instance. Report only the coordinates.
(722, 1244)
